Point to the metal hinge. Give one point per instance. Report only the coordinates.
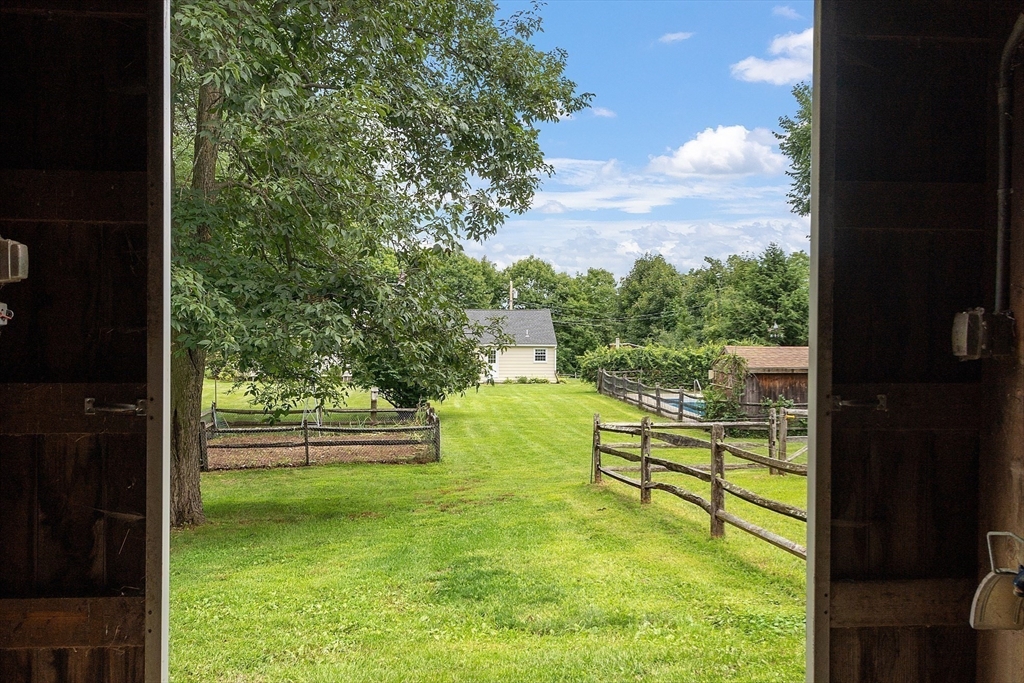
(94, 408)
(878, 404)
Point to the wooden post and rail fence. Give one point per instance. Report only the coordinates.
(675, 404)
(657, 436)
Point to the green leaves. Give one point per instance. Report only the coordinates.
(673, 368)
(761, 299)
(345, 135)
(795, 143)
(649, 299)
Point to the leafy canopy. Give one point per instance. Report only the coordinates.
(349, 136)
(649, 299)
(795, 143)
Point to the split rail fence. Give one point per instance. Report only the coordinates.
(235, 438)
(677, 404)
(661, 437)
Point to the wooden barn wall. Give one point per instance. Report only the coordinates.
(904, 238)
(1001, 654)
(79, 182)
(772, 386)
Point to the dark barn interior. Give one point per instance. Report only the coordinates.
(83, 527)
(916, 454)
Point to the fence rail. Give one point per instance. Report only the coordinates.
(384, 435)
(715, 473)
(677, 404)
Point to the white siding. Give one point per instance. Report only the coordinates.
(518, 361)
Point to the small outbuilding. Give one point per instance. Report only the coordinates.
(772, 372)
(533, 350)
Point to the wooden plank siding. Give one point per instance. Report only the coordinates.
(903, 238)
(82, 183)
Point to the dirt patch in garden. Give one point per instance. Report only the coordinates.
(250, 451)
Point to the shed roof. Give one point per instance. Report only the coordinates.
(527, 327)
(772, 358)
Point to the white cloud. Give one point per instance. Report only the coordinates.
(675, 37)
(726, 150)
(721, 165)
(604, 113)
(786, 12)
(792, 61)
(573, 245)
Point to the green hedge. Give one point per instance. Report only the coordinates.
(662, 365)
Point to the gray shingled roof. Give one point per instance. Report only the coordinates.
(527, 327)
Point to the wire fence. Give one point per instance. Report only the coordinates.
(242, 439)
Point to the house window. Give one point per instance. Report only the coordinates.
(492, 356)
(540, 355)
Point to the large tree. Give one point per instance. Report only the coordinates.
(318, 147)
(649, 299)
(536, 283)
(795, 143)
(585, 316)
(760, 299)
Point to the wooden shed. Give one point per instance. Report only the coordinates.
(915, 454)
(84, 134)
(772, 373)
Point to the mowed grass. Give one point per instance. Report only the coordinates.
(227, 396)
(500, 563)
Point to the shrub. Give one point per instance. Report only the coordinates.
(669, 367)
(522, 379)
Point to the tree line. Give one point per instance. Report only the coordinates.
(746, 298)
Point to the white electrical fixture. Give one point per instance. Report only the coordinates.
(996, 606)
(13, 261)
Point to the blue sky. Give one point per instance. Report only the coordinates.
(676, 155)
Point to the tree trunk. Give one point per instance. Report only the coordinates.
(188, 366)
(204, 160)
(187, 369)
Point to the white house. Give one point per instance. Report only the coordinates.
(533, 350)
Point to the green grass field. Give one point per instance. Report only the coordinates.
(500, 563)
(227, 397)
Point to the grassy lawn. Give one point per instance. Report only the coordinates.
(500, 563)
(222, 393)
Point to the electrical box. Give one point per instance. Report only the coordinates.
(977, 334)
(13, 261)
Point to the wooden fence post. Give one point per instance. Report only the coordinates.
(682, 400)
(717, 474)
(600, 380)
(773, 436)
(320, 415)
(305, 437)
(657, 400)
(645, 463)
(204, 452)
(780, 447)
(213, 414)
(374, 392)
(595, 477)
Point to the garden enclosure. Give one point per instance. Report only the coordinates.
(238, 439)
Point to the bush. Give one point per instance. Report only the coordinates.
(662, 365)
(527, 380)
